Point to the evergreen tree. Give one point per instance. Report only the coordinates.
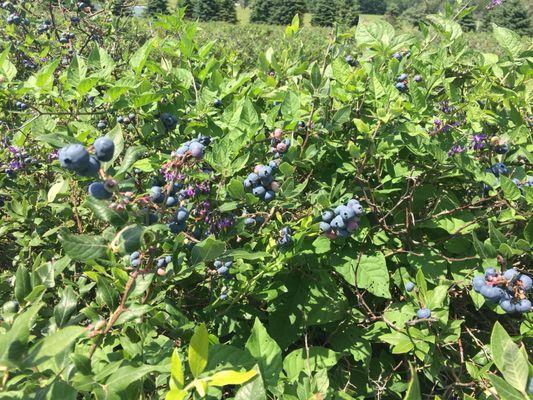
(189, 8)
(373, 6)
(206, 10)
(157, 7)
(262, 11)
(285, 10)
(325, 13)
(228, 12)
(512, 14)
(348, 12)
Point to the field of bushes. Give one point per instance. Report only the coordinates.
(199, 210)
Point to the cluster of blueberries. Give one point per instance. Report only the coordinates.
(402, 82)
(20, 105)
(286, 237)
(122, 119)
(76, 157)
(343, 220)
(508, 289)
(261, 182)
(135, 259)
(422, 312)
(194, 147)
(180, 221)
(279, 146)
(400, 55)
(223, 267)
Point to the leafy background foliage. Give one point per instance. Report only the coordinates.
(319, 319)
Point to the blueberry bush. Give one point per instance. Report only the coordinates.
(175, 225)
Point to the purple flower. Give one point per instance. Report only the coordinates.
(54, 155)
(494, 3)
(456, 149)
(445, 107)
(478, 141)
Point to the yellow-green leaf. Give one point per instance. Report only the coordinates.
(176, 370)
(230, 377)
(176, 395)
(198, 349)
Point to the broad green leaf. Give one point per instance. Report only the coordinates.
(373, 275)
(207, 250)
(508, 39)
(66, 306)
(319, 358)
(83, 247)
(510, 190)
(198, 350)
(505, 390)
(223, 378)
(413, 389)
(176, 395)
(176, 370)
(266, 351)
(125, 376)
(52, 345)
(254, 389)
(515, 366)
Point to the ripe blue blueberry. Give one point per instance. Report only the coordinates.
(490, 272)
(492, 293)
(523, 306)
(344, 233)
(249, 221)
(402, 87)
(423, 313)
(254, 178)
(510, 274)
(508, 306)
(401, 78)
(161, 263)
(176, 227)
(269, 195)
(74, 157)
(397, 56)
(248, 184)
(327, 216)
(409, 286)
(346, 213)
(156, 194)
(92, 169)
(197, 150)
(182, 214)
(171, 201)
(500, 169)
(168, 259)
(265, 172)
(99, 192)
(259, 191)
(417, 78)
(135, 255)
(338, 223)
(478, 282)
(502, 149)
(169, 121)
(526, 281)
(325, 227)
(136, 262)
(104, 148)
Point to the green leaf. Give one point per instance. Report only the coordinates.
(83, 247)
(101, 210)
(176, 395)
(322, 244)
(54, 344)
(129, 239)
(255, 389)
(60, 186)
(515, 366)
(223, 378)
(66, 307)
(140, 57)
(505, 390)
(319, 358)
(132, 155)
(266, 351)
(125, 376)
(198, 350)
(23, 285)
(207, 250)
(13, 342)
(413, 390)
(508, 39)
(510, 190)
(373, 275)
(246, 255)
(176, 370)
(499, 340)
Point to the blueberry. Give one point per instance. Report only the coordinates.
(254, 178)
(156, 194)
(135, 255)
(402, 87)
(526, 281)
(500, 168)
(182, 150)
(259, 191)
(423, 313)
(161, 263)
(510, 274)
(168, 259)
(176, 227)
(358, 210)
(217, 264)
(346, 213)
(327, 216)
(10, 307)
(397, 56)
(99, 192)
(197, 150)
(343, 233)
(266, 180)
(249, 221)
(136, 262)
(508, 306)
(223, 296)
(352, 203)
(171, 201)
(101, 125)
(92, 169)
(169, 121)
(273, 165)
(74, 157)
(478, 282)
(492, 293)
(248, 184)
(75, 20)
(338, 223)
(222, 270)
(286, 231)
(409, 286)
(325, 227)
(269, 195)
(502, 149)
(523, 306)
(265, 172)
(182, 214)
(417, 78)
(218, 103)
(259, 220)
(401, 78)
(104, 148)
(490, 272)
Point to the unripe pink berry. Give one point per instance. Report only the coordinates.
(278, 133)
(331, 235)
(352, 226)
(275, 186)
(281, 147)
(257, 168)
(161, 272)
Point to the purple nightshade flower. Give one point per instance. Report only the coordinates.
(494, 3)
(54, 155)
(456, 149)
(478, 141)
